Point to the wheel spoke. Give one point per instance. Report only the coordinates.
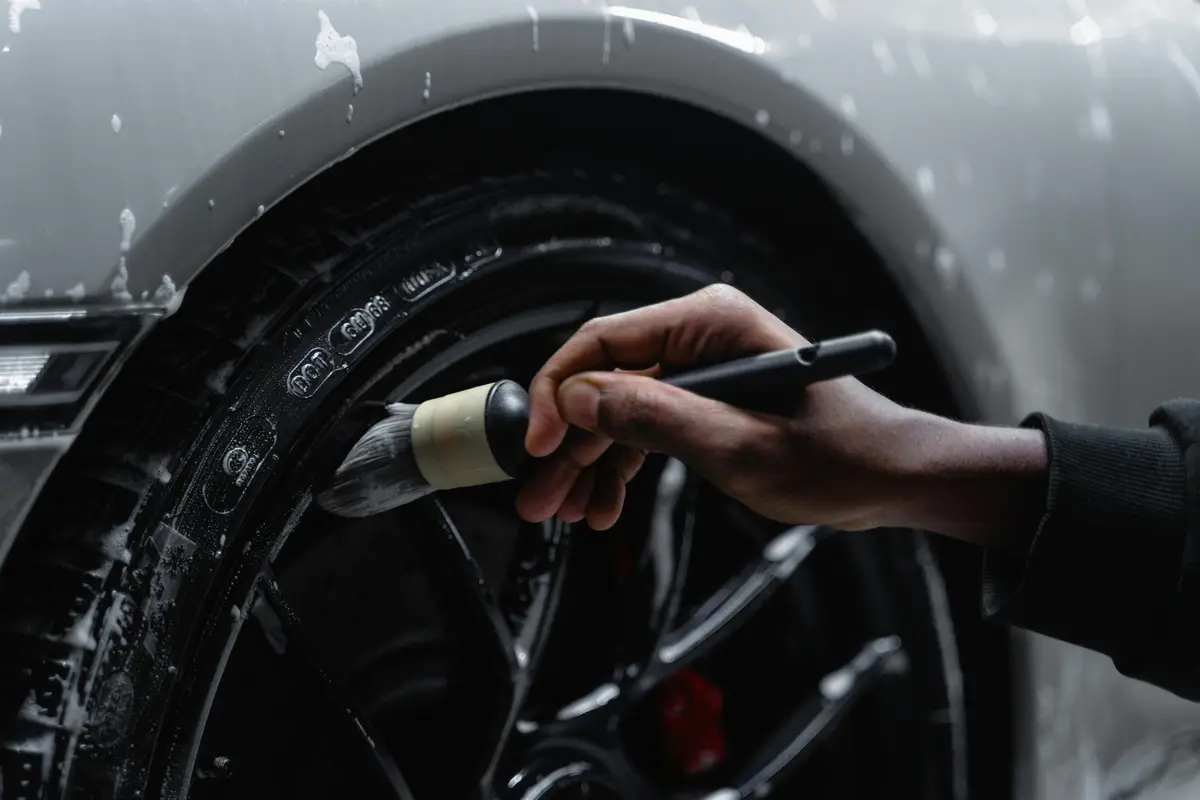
(353, 734)
(662, 568)
(652, 601)
(734, 603)
(514, 659)
(542, 567)
(800, 735)
(472, 593)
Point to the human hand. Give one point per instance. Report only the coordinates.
(838, 460)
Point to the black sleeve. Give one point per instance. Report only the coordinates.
(1114, 564)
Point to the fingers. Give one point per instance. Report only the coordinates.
(714, 324)
(652, 415)
(560, 487)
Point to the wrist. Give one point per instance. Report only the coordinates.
(982, 484)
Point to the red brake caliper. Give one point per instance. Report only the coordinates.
(690, 707)
(688, 704)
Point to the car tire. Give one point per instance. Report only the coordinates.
(122, 601)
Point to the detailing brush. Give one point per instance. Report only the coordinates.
(477, 436)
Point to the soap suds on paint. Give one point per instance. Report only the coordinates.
(116, 123)
(120, 284)
(18, 288)
(76, 292)
(16, 8)
(166, 290)
(350, 113)
(333, 48)
(533, 19)
(606, 49)
(128, 226)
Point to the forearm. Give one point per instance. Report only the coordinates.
(1088, 530)
(982, 484)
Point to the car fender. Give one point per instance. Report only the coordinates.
(173, 126)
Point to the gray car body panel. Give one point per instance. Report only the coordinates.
(1027, 169)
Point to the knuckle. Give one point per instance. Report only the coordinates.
(632, 415)
(593, 327)
(724, 299)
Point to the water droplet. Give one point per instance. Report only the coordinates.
(795, 137)
(727, 277)
(762, 117)
(628, 32)
(1044, 282)
(918, 59)
(835, 685)
(883, 54)
(925, 181)
(350, 113)
(282, 133)
(5, 49)
(212, 204)
(947, 267)
(847, 144)
(533, 19)
(848, 106)
(76, 292)
(825, 9)
(1089, 290)
(997, 261)
(1100, 123)
(261, 210)
(116, 123)
(985, 23)
(428, 87)
(1086, 31)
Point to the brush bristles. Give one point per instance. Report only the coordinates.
(380, 473)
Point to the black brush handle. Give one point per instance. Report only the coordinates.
(770, 380)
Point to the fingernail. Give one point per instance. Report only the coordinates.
(579, 399)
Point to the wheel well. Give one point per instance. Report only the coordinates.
(773, 194)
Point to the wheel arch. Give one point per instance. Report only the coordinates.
(670, 68)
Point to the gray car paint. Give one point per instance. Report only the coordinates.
(1025, 166)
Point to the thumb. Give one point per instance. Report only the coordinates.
(646, 413)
